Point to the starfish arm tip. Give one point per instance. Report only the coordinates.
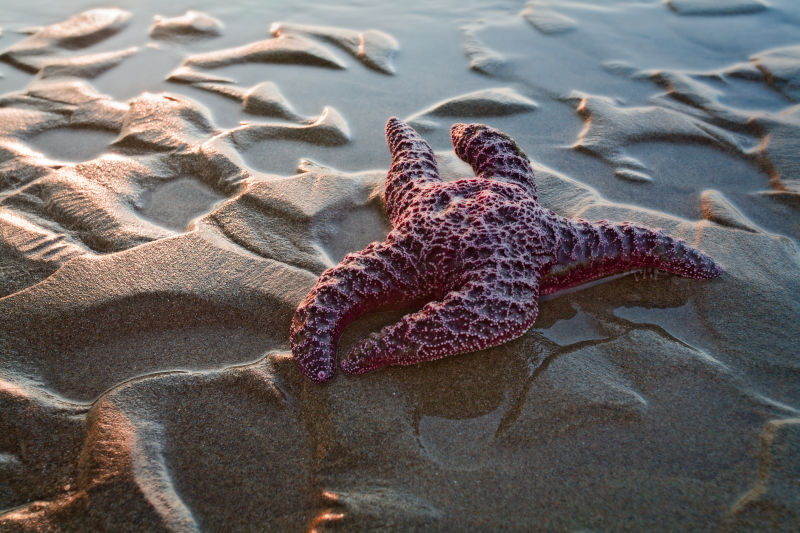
(493, 154)
(314, 358)
(457, 324)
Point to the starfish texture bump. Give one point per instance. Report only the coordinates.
(476, 253)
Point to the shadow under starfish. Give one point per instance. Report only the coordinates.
(480, 251)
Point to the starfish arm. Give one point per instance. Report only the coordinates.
(586, 251)
(413, 166)
(493, 154)
(475, 317)
(363, 281)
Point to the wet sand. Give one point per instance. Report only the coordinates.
(173, 183)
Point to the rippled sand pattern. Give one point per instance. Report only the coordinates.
(172, 184)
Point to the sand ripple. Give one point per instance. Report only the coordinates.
(374, 48)
(544, 18)
(77, 32)
(283, 49)
(189, 26)
(484, 103)
(716, 7)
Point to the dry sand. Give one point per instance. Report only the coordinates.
(173, 182)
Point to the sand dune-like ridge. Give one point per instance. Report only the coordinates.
(329, 128)
(167, 298)
(121, 460)
(185, 74)
(611, 127)
(481, 58)
(780, 69)
(80, 31)
(89, 66)
(691, 110)
(262, 99)
(99, 203)
(717, 208)
(189, 26)
(304, 206)
(53, 103)
(374, 48)
(30, 252)
(93, 212)
(544, 18)
(722, 7)
(483, 103)
(20, 164)
(765, 504)
(283, 49)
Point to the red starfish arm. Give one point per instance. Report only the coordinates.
(363, 281)
(475, 317)
(413, 166)
(591, 250)
(493, 154)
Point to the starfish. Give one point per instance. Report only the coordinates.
(475, 253)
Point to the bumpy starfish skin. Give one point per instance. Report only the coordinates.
(480, 251)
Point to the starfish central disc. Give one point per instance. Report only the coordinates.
(476, 253)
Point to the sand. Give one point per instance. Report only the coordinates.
(173, 180)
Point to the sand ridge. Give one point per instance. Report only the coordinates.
(484, 103)
(77, 32)
(374, 48)
(282, 49)
(544, 18)
(189, 26)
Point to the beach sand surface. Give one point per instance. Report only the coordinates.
(174, 178)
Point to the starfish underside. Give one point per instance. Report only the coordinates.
(477, 252)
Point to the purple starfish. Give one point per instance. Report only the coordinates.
(480, 251)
